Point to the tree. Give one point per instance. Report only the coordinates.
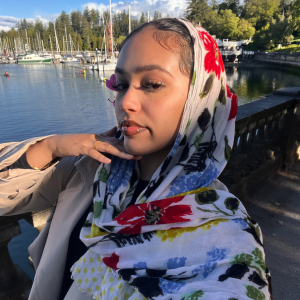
(295, 13)
(76, 17)
(157, 15)
(259, 13)
(143, 19)
(231, 27)
(275, 33)
(198, 11)
(233, 5)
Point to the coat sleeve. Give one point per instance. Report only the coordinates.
(27, 190)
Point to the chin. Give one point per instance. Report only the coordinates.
(135, 147)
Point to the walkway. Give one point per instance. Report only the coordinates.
(276, 207)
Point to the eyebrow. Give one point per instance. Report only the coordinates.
(141, 69)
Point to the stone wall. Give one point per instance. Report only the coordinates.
(280, 57)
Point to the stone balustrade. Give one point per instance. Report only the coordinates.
(278, 56)
(267, 138)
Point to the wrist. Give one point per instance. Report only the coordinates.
(50, 145)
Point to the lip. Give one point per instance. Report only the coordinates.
(130, 127)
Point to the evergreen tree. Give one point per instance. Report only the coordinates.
(198, 11)
(143, 19)
(157, 15)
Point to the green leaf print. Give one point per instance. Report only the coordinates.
(208, 85)
(254, 293)
(222, 95)
(192, 296)
(227, 149)
(232, 204)
(103, 175)
(188, 125)
(194, 78)
(97, 208)
(259, 258)
(242, 258)
(207, 197)
(198, 139)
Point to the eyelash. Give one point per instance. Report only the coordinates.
(147, 86)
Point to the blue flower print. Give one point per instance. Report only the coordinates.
(217, 254)
(242, 222)
(176, 143)
(120, 174)
(214, 255)
(169, 287)
(176, 262)
(208, 176)
(140, 265)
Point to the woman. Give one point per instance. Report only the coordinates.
(161, 226)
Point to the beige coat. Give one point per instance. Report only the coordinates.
(69, 183)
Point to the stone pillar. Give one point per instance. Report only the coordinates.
(14, 282)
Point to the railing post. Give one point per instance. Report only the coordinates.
(14, 282)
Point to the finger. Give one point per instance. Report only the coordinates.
(97, 156)
(114, 150)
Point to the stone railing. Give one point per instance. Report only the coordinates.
(279, 56)
(267, 138)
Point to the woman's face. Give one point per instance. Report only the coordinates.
(151, 95)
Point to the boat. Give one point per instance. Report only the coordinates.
(33, 58)
(70, 60)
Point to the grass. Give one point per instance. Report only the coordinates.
(288, 48)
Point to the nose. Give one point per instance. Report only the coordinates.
(130, 100)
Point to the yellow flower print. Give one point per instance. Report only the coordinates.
(171, 234)
(96, 231)
(207, 225)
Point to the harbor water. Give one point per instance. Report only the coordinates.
(38, 100)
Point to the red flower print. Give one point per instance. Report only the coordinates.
(234, 107)
(213, 59)
(228, 92)
(152, 213)
(111, 261)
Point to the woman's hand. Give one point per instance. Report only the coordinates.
(39, 154)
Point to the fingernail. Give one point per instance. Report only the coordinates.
(107, 160)
(128, 155)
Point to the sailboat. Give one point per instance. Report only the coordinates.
(111, 63)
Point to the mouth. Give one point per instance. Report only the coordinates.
(130, 127)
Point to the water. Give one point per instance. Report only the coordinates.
(46, 99)
(38, 100)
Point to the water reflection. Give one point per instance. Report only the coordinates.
(255, 81)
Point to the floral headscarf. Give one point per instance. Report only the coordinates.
(186, 237)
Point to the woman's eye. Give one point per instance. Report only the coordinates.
(121, 86)
(152, 85)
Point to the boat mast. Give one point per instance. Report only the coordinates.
(56, 42)
(51, 44)
(129, 19)
(71, 44)
(66, 39)
(111, 32)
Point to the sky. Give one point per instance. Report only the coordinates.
(48, 11)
